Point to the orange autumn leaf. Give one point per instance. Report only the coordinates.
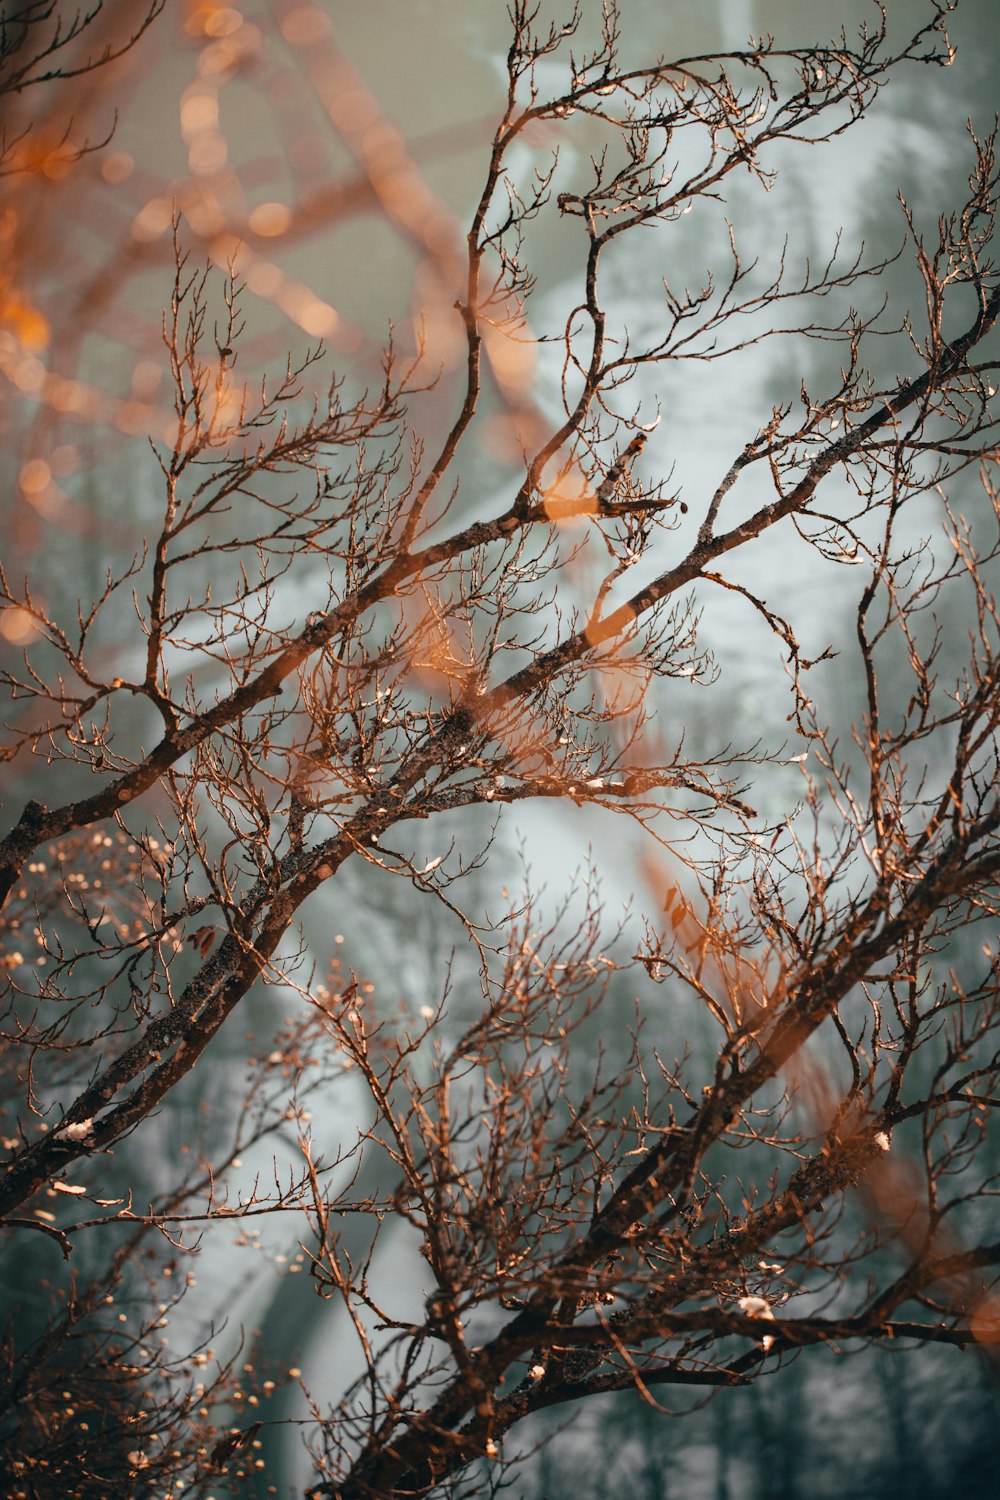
(28, 325)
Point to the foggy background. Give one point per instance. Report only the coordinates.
(269, 178)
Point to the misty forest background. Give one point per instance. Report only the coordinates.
(824, 1424)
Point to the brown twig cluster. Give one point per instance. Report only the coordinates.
(321, 644)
